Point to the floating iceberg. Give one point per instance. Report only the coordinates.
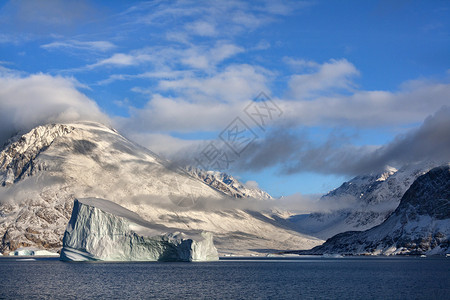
(102, 230)
(29, 251)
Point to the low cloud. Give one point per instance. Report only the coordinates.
(304, 204)
(294, 153)
(29, 101)
(165, 145)
(163, 114)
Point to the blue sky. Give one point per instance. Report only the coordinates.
(352, 78)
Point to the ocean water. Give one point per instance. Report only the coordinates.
(305, 278)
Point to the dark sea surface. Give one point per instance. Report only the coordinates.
(299, 278)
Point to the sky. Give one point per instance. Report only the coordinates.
(320, 91)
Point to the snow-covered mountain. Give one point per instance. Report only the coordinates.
(419, 225)
(228, 184)
(44, 170)
(367, 201)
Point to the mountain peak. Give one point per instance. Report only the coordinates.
(388, 171)
(17, 158)
(419, 225)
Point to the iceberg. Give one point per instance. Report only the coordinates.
(29, 251)
(103, 230)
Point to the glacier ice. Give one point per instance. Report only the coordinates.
(30, 251)
(102, 230)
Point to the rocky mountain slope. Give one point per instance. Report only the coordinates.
(367, 199)
(419, 225)
(228, 184)
(43, 171)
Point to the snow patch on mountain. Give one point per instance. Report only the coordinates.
(228, 184)
(368, 200)
(419, 225)
(18, 159)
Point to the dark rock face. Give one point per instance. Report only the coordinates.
(419, 225)
(428, 195)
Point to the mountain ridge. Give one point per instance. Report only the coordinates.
(419, 225)
(369, 198)
(228, 184)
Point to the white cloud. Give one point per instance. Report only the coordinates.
(283, 8)
(121, 60)
(161, 74)
(201, 28)
(204, 58)
(7, 72)
(163, 114)
(330, 76)
(210, 103)
(177, 36)
(7, 39)
(251, 184)
(101, 46)
(236, 83)
(262, 45)
(164, 144)
(370, 108)
(38, 99)
(249, 20)
(223, 51)
(196, 57)
(301, 64)
(213, 18)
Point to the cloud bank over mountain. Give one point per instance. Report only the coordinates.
(296, 153)
(32, 100)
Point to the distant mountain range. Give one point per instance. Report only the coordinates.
(419, 225)
(367, 199)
